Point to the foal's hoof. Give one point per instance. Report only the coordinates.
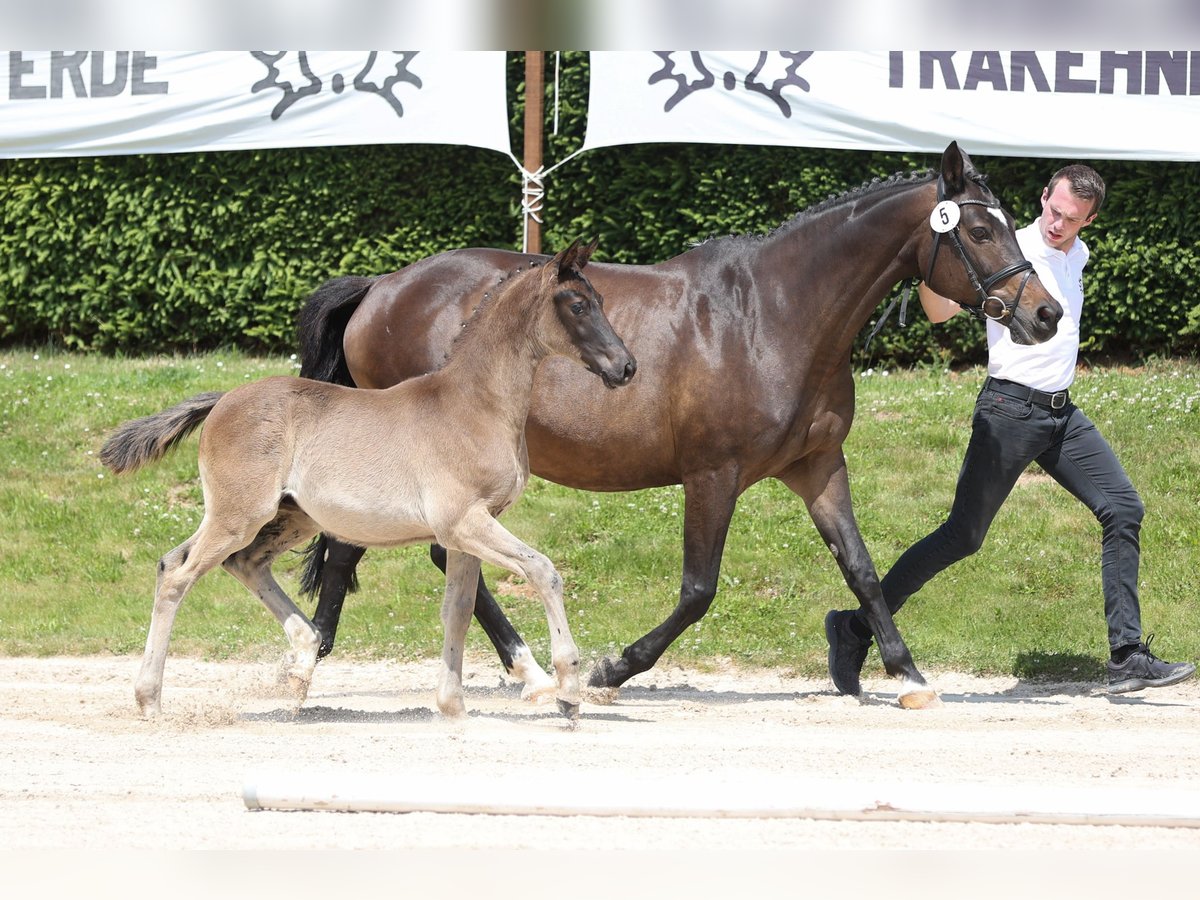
(569, 709)
(923, 697)
(297, 687)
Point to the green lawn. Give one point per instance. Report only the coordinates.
(80, 545)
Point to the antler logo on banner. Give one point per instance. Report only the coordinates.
(293, 74)
(691, 74)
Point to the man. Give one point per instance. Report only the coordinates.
(1024, 413)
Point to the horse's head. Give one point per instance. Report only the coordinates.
(971, 255)
(580, 310)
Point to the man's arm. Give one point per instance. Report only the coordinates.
(938, 308)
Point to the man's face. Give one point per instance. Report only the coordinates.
(1063, 215)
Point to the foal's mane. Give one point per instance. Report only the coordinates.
(506, 283)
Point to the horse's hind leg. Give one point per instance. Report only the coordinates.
(482, 536)
(462, 575)
(514, 652)
(336, 580)
(823, 483)
(178, 570)
(252, 567)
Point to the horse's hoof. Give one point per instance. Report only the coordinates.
(920, 698)
(568, 709)
(607, 674)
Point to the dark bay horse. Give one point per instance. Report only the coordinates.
(744, 344)
(435, 458)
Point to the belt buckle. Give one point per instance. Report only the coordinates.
(1058, 399)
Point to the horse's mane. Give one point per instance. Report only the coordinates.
(834, 201)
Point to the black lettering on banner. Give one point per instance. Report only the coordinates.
(67, 64)
(1130, 72)
(1026, 62)
(1111, 61)
(67, 76)
(945, 61)
(18, 68)
(986, 67)
(1064, 83)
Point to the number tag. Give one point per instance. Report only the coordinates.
(945, 216)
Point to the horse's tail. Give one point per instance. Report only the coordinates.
(320, 327)
(149, 439)
(321, 324)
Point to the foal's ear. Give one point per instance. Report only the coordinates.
(955, 165)
(574, 257)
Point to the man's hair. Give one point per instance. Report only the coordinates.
(1084, 182)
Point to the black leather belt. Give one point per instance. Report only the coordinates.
(1056, 400)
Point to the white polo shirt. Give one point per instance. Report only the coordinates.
(1049, 366)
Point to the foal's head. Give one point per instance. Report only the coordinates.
(585, 331)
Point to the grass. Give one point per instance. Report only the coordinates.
(80, 545)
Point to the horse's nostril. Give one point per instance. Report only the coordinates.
(1046, 314)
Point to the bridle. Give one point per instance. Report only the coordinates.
(944, 220)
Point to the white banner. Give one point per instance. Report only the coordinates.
(1136, 104)
(95, 103)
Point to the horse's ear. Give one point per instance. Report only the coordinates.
(954, 165)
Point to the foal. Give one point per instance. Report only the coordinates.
(436, 458)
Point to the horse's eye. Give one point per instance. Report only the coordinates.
(979, 234)
(577, 308)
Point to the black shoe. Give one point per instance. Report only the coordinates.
(1142, 669)
(847, 652)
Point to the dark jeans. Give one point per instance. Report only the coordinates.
(1007, 434)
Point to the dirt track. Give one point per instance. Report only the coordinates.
(83, 770)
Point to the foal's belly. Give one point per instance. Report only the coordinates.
(371, 524)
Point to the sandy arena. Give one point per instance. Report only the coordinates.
(83, 771)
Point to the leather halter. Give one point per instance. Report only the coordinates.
(990, 307)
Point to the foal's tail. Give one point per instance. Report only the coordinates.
(149, 439)
(321, 324)
(320, 328)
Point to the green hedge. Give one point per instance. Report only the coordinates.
(174, 252)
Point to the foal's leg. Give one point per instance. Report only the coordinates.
(514, 652)
(462, 573)
(482, 536)
(177, 572)
(252, 567)
(822, 482)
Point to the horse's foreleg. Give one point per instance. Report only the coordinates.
(482, 536)
(336, 580)
(823, 483)
(709, 501)
(462, 576)
(514, 652)
(252, 567)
